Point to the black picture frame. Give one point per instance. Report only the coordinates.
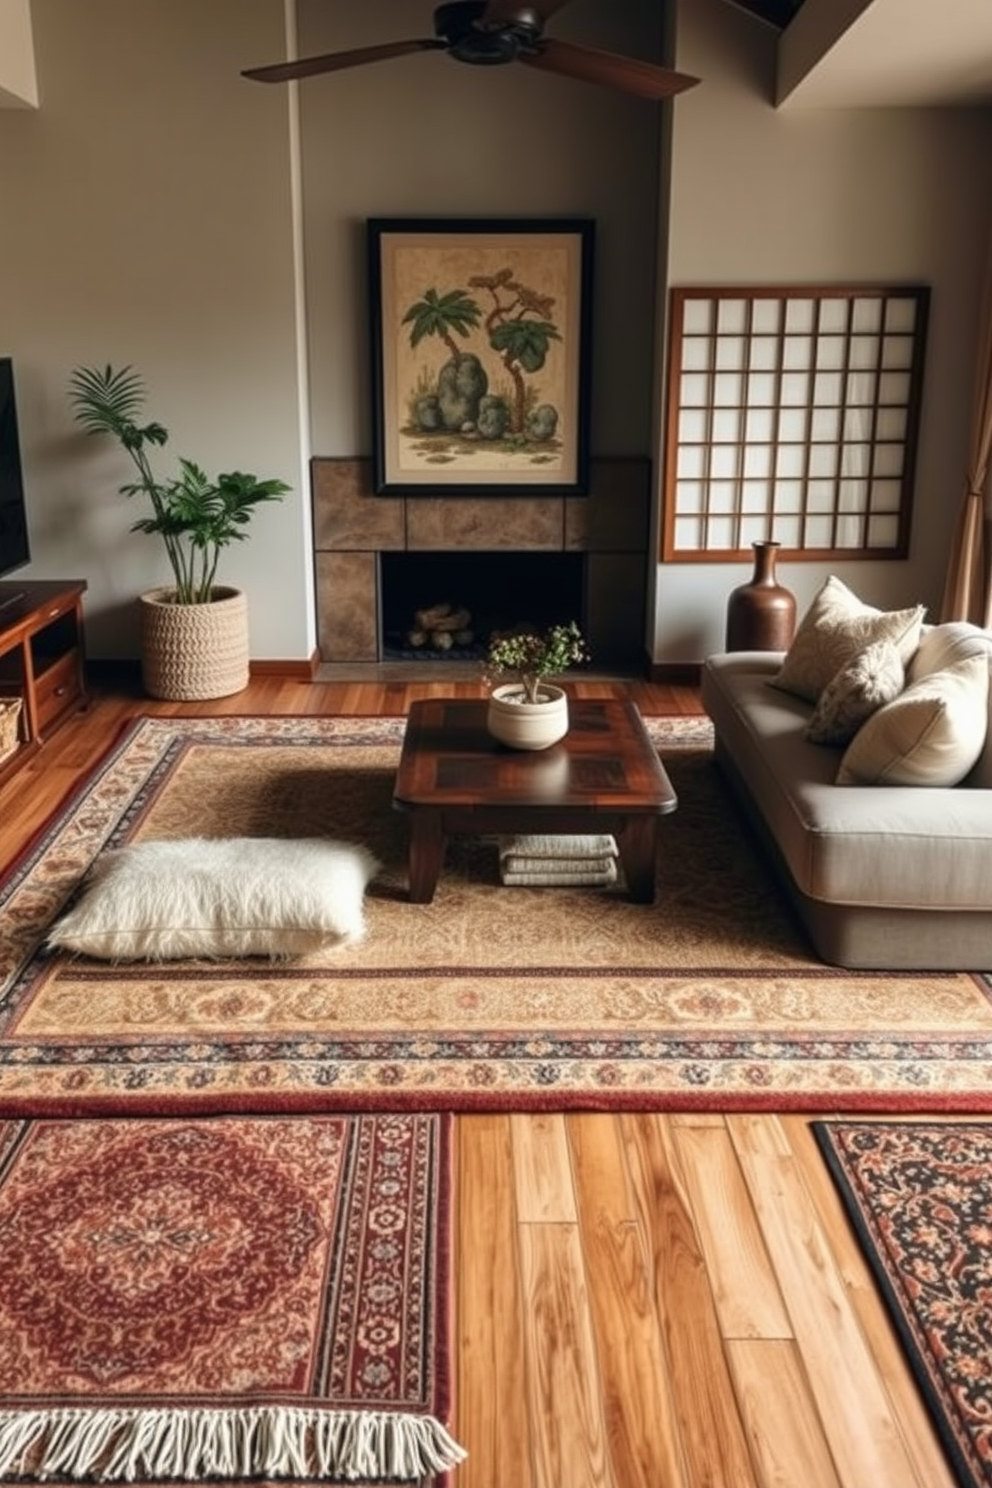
(480, 355)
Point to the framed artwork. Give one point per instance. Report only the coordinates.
(480, 355)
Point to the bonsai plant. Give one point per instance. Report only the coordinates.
(194, 515)
(533, 655)
(530, 713)
(194, 634)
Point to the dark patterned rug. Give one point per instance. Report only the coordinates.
(919, 1195)
(224, 1299)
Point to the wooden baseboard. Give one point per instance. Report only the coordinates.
(127, 671)
(310, 669)
(300, 671)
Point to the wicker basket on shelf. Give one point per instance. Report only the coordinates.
(10, 720)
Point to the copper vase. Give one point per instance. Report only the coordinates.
(761, 614)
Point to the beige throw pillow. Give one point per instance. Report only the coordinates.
(874, 677)
(932, 734)
(835, 628)
(943, 646)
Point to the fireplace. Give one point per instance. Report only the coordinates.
(483, 591)
(536, 559)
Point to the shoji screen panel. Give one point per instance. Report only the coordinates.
(792, 414)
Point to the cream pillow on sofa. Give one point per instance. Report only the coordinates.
(210, 897)
(932, 734)
(874, 677)
(942, 646)
(832, 632)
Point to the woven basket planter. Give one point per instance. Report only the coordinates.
(189, 652)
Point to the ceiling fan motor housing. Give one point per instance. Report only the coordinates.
(457, 24)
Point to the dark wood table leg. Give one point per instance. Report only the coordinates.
(426, 855)
(637, 842)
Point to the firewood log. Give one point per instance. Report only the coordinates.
(430, 618)
(457, 620)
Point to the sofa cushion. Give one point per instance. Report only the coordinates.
(833, 630)
(872, 678)
(940, 647)
(931, 735)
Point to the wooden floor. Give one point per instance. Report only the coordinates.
(642, 1301)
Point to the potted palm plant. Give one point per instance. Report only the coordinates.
(194, 633)
(530, 712)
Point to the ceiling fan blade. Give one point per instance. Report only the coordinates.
(499, 12)
(629, 74)
(285, 72)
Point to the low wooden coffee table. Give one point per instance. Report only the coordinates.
(604, 776)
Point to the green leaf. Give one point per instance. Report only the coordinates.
(436, 315)
(521, 339)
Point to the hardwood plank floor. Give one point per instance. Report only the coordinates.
(641, 1300)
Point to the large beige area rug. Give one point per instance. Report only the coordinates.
(489, 997)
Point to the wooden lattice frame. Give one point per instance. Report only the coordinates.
(793, 414)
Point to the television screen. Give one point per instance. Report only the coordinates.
(14, 547)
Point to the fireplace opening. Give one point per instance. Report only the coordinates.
(444, 606)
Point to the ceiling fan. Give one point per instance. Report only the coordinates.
(488, 32)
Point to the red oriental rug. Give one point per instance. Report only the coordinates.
(225, 1298)
(919, 1195)
(490, 997)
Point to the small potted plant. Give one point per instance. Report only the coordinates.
(194, 633)
(530, 712)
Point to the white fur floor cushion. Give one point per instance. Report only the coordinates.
(234, 896)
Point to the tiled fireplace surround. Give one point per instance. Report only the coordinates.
(608, 529)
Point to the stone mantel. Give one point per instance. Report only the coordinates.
(352, 526)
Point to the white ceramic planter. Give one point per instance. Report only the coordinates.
(195, 651)
(523, 725)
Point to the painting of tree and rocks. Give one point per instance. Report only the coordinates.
(480, 337)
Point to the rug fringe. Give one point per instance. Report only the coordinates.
(125, 1445)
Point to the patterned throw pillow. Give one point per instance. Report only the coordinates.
(835, 628)
(875, 676)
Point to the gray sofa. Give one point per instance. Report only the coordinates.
(883, 876)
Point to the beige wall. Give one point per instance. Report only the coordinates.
(761, 196)
(146, 218)
(424, 136)
(18, 79)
